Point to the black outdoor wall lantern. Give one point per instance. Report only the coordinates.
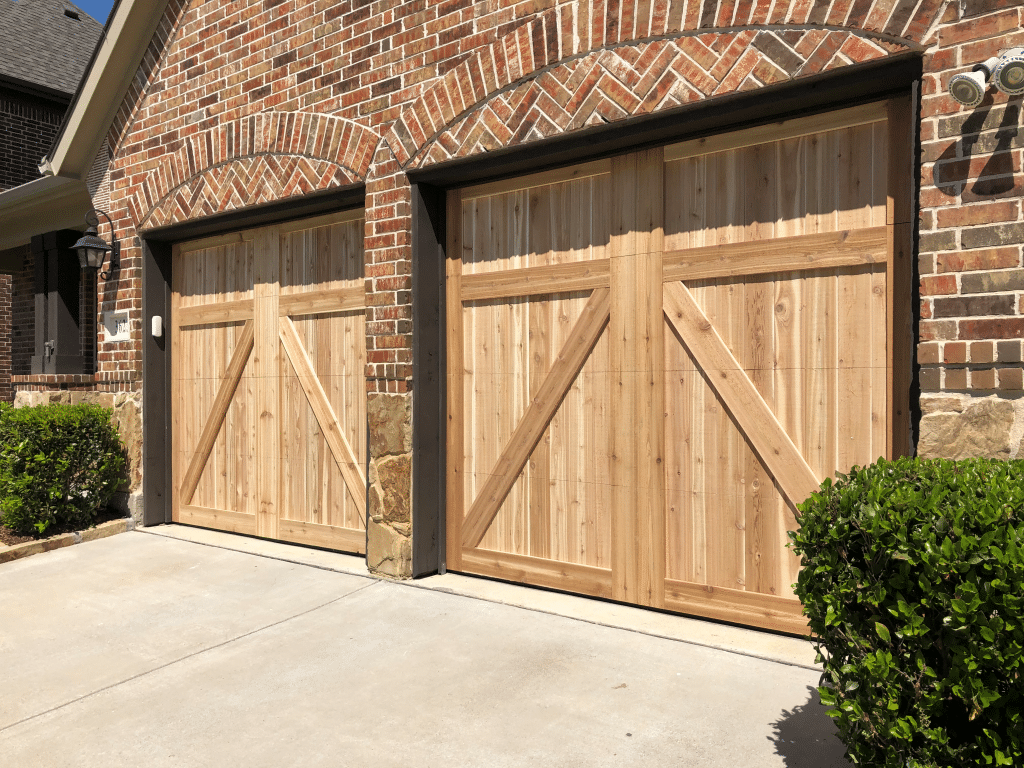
(93, 249)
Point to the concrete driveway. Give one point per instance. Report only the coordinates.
(155, 650)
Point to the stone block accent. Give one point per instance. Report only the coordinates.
(959, 428)
(389, 530)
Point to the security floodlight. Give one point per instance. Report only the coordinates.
(968, 88)
(1009, 72)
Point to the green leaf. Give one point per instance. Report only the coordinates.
(882, 631)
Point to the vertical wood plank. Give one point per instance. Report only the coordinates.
(538, 308)
(266, 370)
(763, 549)
(636, 349)
(455, 484)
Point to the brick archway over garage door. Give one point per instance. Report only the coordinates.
(256, 159)
(562, 72)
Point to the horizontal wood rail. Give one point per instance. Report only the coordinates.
(783, 614)
(348, 299)
(237, 311)
(545, 573)
(825, 250)
(222, 519)
(531, 281)
(320, 535)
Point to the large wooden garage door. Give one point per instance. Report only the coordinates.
(653, 358)
(268, 396)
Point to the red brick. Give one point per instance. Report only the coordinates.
(984, 378)
(954, 352)
(976, 29)
(955, 379)
(938, 285)
(995, 328)
(982, 352)
(981, 259)
(1011, 378)
(938, 330)
(928, 353)
(1006, 210)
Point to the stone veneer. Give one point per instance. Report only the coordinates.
(237, 103)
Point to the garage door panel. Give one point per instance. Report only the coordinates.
(335, 344)
(832, 181)
(560, 505)
(580, 491)
(535, 226)
(287, 457)
(321, 258)
(215, 274)
(314, 488)
(746, 359)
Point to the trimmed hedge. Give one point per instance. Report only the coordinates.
(913, 582)
(59, 466)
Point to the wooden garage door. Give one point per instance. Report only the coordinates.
(268, 396)
(653, 358)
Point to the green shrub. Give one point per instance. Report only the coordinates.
(913, 581)
(59, 466)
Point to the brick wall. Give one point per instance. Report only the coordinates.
(244, 102)
(28, 127)
(972, 231)
(6, 393)
(23, 322)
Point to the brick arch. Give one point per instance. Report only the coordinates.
(601, 61)
(260, 158)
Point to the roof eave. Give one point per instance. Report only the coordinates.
(129, 31)
(42, 205)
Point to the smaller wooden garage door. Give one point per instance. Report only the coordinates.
(654, 358)
(268, 395)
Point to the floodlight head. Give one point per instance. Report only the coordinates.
(968, 88)
(1009, 72)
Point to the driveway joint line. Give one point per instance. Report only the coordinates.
(449, 591)
(266, 556)
(186, 657)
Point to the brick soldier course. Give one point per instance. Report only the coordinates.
(243, 104)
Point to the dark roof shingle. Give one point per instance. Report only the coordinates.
(44, 45)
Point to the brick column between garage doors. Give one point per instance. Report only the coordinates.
(388, 260)
(970, 254)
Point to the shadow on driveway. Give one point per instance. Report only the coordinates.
(805, 736)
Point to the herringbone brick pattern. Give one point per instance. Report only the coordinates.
(255, 159)
(553, 40)
(245, 182)
(609, 85)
